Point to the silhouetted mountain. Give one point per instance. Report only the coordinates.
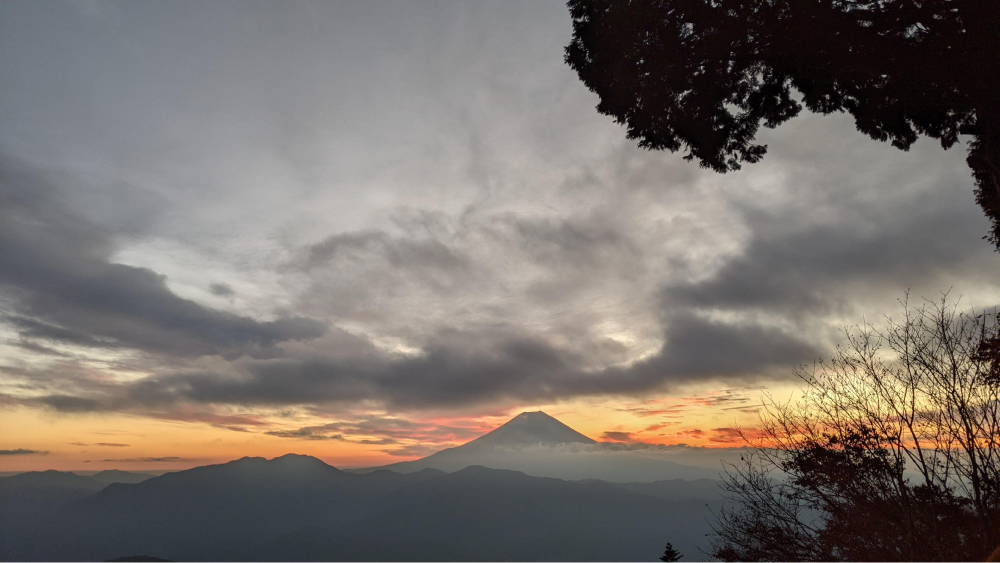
(299, 508)
(109, 476)
(26, 499)
(497, 515)
(539, 445)
(207, 512)
(51, 478)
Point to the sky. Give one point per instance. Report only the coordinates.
(367, 231)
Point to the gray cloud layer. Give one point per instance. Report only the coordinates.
(457, 372)
(65, 288)
(437, 219)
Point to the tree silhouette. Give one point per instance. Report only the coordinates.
(671, 554)
(892, 454)
(704, 75)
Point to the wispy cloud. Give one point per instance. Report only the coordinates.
(617, 436)
(148, 459)
(379, 430)
(102, 444)
(311, 433)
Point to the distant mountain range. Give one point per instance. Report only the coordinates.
(65, 479)
(27, 499)
(299, 508)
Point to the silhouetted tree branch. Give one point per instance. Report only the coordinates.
(891, 454)
(704, 75)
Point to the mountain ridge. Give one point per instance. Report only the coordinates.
(484, 514)
(300, 508)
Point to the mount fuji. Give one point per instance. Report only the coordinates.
(530, 429)
(540, 445)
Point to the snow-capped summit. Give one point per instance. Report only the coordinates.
(531, 429)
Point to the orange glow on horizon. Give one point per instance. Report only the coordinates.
(189, 437)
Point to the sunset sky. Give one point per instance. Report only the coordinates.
(367, 231)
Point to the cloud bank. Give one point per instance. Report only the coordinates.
(439, 223)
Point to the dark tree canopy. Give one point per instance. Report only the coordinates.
(703, 75)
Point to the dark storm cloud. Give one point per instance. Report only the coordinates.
(405, 259)
(69, 403)
(408, 254)
(580, 243)
(451, 373)
(33, 328)
(459, 370)
(57, 268)
(221, 289)
(468, 256)
(804, 270)
(696, 347)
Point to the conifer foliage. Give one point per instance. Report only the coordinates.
(704, 75)
(671, 554)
